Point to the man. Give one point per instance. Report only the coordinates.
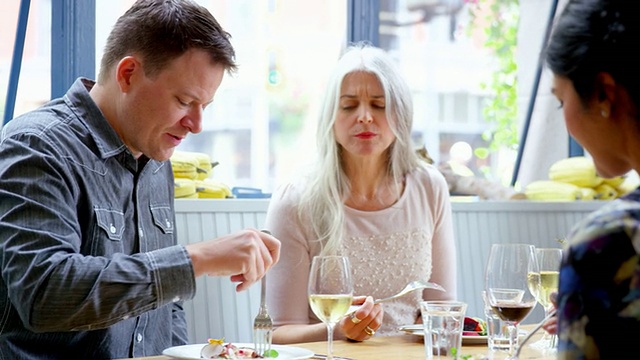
(88, 255)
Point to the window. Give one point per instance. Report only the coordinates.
(445, 67)
(261, 125)
(34, 86)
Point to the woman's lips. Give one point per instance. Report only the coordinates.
(365, 135)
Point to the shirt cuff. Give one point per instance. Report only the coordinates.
(174, 275)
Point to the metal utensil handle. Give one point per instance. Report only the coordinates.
(378, 301)
(263, 292)
(263, 283)
(535, 329)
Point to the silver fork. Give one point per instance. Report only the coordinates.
(533, 331)
(262, 324)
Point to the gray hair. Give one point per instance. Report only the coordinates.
(322, 201)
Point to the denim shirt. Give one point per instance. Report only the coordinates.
(90, 264)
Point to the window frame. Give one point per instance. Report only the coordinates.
(73, 45)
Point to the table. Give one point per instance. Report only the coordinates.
(406, 347)
(400, 347)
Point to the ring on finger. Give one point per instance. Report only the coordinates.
(354, 319)
(369, 331)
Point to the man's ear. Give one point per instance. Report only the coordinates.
(126, 70)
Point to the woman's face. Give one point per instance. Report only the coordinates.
(361, 126)
(600, 133)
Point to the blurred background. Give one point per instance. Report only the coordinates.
(471, 66)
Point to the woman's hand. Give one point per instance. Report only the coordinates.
(551, 325)
(364, 322)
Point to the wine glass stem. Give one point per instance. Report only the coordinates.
(513, 338)
(329, 341)
(552, 338)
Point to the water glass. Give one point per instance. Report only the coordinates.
(497, 329)
(443, 324)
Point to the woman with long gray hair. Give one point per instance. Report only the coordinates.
(367, 197)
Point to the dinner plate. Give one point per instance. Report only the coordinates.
(417, 329)
(192, 352)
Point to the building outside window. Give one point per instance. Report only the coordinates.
(261, 126)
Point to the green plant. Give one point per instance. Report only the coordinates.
(499, 20)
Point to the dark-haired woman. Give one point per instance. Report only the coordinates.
(593, 54)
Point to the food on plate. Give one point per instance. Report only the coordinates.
(217, 349)
(474, 326)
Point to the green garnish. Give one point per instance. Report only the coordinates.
(454, 352)
(271, 354)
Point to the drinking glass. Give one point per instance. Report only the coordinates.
(330, 292)
(507, 285)
(443, 323)
(548, 260)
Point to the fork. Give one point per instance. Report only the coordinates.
(533, 331)
(262, 324)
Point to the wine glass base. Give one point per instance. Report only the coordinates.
(544, 346)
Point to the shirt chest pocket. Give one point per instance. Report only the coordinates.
(112, 222)
(109, 232)
(162, 218)
(163, 229)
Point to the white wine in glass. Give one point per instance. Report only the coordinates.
(508, 286)
(548, 260)
(330, 292)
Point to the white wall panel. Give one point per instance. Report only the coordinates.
(218, 310)
(477, 225)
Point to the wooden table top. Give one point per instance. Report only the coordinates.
(408, 347)
(399, 347)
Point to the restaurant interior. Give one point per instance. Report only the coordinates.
(495, 144)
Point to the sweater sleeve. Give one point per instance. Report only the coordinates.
(443, 243)
(287, 281)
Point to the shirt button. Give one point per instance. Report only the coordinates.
(112, 228)
(168, 223)
(140, 231)
(139, 337)
(176, 299)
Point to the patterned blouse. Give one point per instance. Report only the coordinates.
(599, 290)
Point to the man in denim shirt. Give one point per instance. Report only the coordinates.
(89, 260)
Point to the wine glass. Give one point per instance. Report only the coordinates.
(507, 285)
(330, 292)
(549, 265)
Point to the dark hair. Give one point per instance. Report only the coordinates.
(161, 30)
(595, 36)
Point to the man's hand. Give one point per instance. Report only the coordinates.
(245, 256)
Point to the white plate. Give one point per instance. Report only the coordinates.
(417, 329)
(474, 339)
(192, 352)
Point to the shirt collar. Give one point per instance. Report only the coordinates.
(80, 102)
(107, 141)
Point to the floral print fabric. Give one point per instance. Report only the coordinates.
(599, 289)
